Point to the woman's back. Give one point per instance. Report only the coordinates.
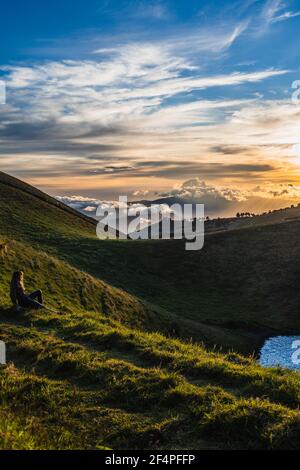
(17, 289)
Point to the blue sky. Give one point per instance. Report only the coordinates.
(109, 97)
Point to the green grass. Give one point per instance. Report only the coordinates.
(241, 288)
(70, 385)
(130, 362)
(16, 433)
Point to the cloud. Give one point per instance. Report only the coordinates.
(92, 207)
(71, 99)
(156, 10)
(140, 193)
(274, 11)
(198, 189)
(163, 144)
(132, 105)
(142, 107)
(80, 203)
(208, 169)
(231, 149)
(88, 209)
(218, 200)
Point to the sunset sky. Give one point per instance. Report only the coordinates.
(151, 98)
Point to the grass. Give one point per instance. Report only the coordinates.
(241, 288)
(69, 387)
(130, 362)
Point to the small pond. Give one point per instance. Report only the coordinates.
(283, 351)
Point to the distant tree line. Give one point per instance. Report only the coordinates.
(251, 214)
(221, 221)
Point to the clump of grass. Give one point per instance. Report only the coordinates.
(16, 433)
(254, 423)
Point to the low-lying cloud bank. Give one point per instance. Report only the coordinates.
(218, 200)
(90, 207)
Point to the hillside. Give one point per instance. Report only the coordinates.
(108, 372)
(241, 288)
(38, 221)
(84, 381)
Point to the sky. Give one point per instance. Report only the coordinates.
(153, 98)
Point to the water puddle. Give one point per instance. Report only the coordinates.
(283, 351)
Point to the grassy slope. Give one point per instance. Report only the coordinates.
(241, 288)
(89, 382)
(92, 378)
(39, 222)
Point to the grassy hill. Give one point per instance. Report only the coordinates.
(109, 372)
(241, 288)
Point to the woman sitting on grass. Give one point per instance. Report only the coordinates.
(20, 298)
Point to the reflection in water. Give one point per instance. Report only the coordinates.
(281, 351)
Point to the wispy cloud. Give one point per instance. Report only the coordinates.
(112, 116)
(154, 9)
(107, 91)
(275, 11)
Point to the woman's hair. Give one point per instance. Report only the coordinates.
(15, 285)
